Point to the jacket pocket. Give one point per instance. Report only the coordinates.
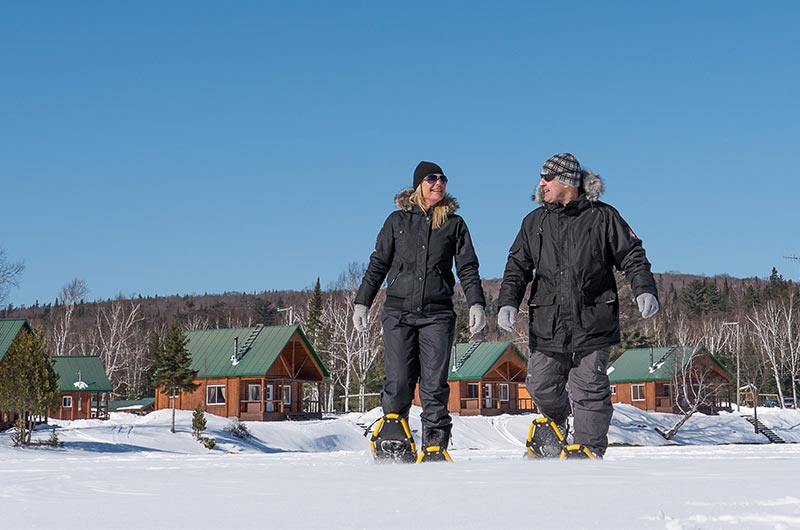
(446, 289)
(544, 312)
(393, 285)
(599, 314)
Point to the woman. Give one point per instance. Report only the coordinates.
(414, 253)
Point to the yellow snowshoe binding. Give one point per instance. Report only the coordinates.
(545, 439)
(577, 451)
(434, 444)
(392, 440)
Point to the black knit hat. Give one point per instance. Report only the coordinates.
(424, 169)
(563, 167)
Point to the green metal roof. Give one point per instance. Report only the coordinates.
(130, 404)
(211, 350)
(653, 364)
(477, 358)
(81, 373)
(9, 329)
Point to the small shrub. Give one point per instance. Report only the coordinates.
(198, 422)
(239, 430)
(209, 443)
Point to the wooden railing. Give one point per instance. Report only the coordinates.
(511, 405)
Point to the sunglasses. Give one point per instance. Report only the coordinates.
(549, 176)
(430, 179)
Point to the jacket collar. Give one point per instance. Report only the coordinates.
(403, 201)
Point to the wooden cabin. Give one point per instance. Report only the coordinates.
(139, 407)
(487, 378)
(261, 373)
(10, 328)
(645, 378)
(85, 388)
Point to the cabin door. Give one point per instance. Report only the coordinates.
(269, 395)
(488, 395)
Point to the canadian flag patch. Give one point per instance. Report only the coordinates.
(631, 234)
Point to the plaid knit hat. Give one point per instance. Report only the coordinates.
(423, 170)
(563, 167)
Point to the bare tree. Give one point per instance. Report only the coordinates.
(765, 329)
(69, 296)
(790, 331)
(693, 383)
(122, 346)
(9, 274)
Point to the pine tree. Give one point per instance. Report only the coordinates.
(313, 322)
(28, 384)
(172, 366)
(264, 312)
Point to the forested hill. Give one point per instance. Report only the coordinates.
(242, 309)
(125, 331)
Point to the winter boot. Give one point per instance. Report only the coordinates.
(434, 444)
(546, 438)
(392, 440)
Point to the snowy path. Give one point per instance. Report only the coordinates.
(739, 486)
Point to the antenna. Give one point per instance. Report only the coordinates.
(793, 258)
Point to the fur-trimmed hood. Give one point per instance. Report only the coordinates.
(403, 201)
(591, 185)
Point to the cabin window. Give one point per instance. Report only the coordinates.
(665, 391)
(637, 392)
(215, 395)
(613, 390)
(503, 391)
(287, 394)
(254, 392)
(66, 402)
(472, 390)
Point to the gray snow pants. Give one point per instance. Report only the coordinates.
(417, 347)
(547, 380)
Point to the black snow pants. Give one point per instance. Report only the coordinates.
(417, 347)
(585, 373)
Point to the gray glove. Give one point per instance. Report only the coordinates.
(648, 304)
(477, 319)
(360, 317)
(506, 317)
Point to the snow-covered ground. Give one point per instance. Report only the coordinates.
(132, 473)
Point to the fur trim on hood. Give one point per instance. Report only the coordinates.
(403, 201)
(591, 185)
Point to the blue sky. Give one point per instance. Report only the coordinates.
(173, 147)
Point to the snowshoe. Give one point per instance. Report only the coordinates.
(392, 440)
(545, 439)
(434, 445)
(578, 451)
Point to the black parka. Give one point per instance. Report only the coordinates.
(417, 261)
(573, 250)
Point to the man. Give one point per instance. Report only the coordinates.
(569, 248)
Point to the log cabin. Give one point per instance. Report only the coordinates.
(85, 388)
(260, 373)
(646, 378)
(486, 378)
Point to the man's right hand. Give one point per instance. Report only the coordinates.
(506, 317)
(360, 313)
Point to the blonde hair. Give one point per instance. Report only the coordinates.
(439, 215)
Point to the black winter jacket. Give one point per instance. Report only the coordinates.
(573, 250)
(417, 262)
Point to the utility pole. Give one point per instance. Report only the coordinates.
(289, 314)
